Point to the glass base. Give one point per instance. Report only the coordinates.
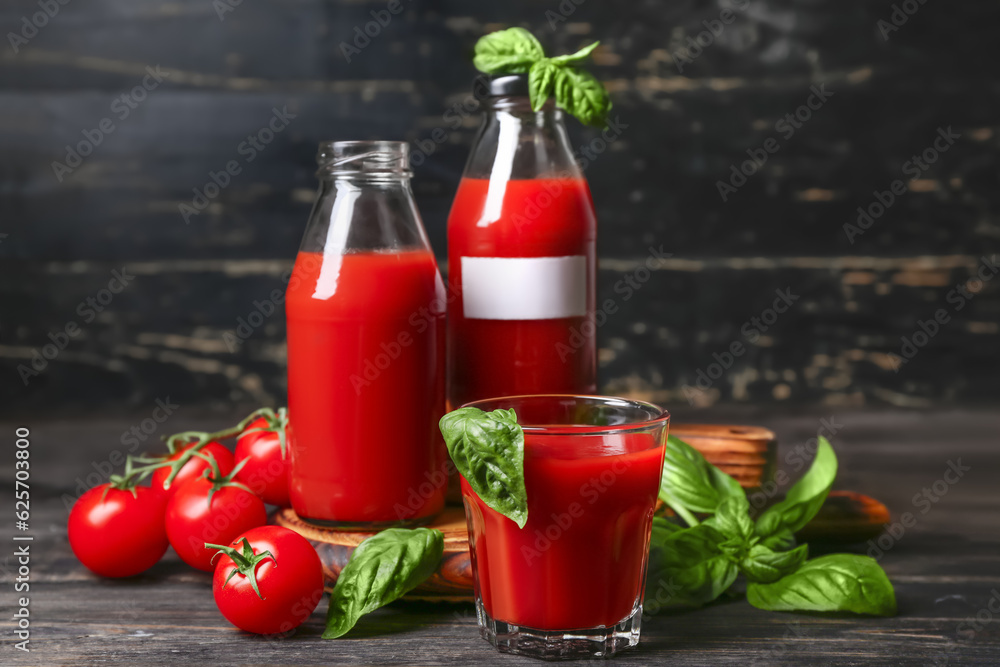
(599, 642)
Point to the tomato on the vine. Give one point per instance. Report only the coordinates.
(194, 468)
(212, 508)
(118, 532)
(268, 580)
(265, 443)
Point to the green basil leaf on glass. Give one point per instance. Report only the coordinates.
(488, 450)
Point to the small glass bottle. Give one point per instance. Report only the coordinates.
(521, 257)
(365, 307)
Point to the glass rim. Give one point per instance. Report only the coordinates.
(662, 415)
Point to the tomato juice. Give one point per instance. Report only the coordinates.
(366, 386)
(580, 560)
(521, 263)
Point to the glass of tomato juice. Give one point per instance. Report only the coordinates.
(570, 583)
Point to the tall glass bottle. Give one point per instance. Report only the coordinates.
(521, 257)
(365, 309)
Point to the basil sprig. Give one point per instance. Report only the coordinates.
(516, 51)
(698, 563)
(488, 450)
(382, 568)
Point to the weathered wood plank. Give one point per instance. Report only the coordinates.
(946, 569)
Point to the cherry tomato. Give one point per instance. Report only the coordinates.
(118, 534)
(195, 468)
(290, 581)
(266, 473)
(203, 511)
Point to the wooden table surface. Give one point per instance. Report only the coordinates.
(946, 569)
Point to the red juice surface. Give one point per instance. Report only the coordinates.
(579, 561)
(365, 386)
(529, 218)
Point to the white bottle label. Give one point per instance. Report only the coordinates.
(524, 288)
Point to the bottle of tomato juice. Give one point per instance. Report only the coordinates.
(366, 348)
(521, 256)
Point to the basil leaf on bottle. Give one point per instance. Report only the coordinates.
(764, 565)
(804, 498)
(692, 481)
(383, 568)
(541, 80)
(838, 582)
(488, 450)
(510, 51)
(575, 58)
(582, 95)
(686, 567)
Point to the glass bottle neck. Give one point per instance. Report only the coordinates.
(516, 142)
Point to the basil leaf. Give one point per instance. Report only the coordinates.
(804, 498)
(382, 568)
(582, 95)
(692, 481)
(838, 582)
(575, 58)
(686, 567)
(662, 527)
(488, 450)
(732, 518)
(764, 565)
(510, 51)
(783, 540)
(541, 80)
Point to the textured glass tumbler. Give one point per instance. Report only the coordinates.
(570, 583)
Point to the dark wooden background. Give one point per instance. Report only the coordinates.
(655, 185)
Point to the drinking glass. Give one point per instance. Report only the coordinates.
(570, 583)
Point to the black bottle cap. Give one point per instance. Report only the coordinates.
(500, 85)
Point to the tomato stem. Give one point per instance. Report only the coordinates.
(198, 440)
(218, 480)
(246, 562)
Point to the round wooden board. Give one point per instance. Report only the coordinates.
(745, 452)
(451, 583)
